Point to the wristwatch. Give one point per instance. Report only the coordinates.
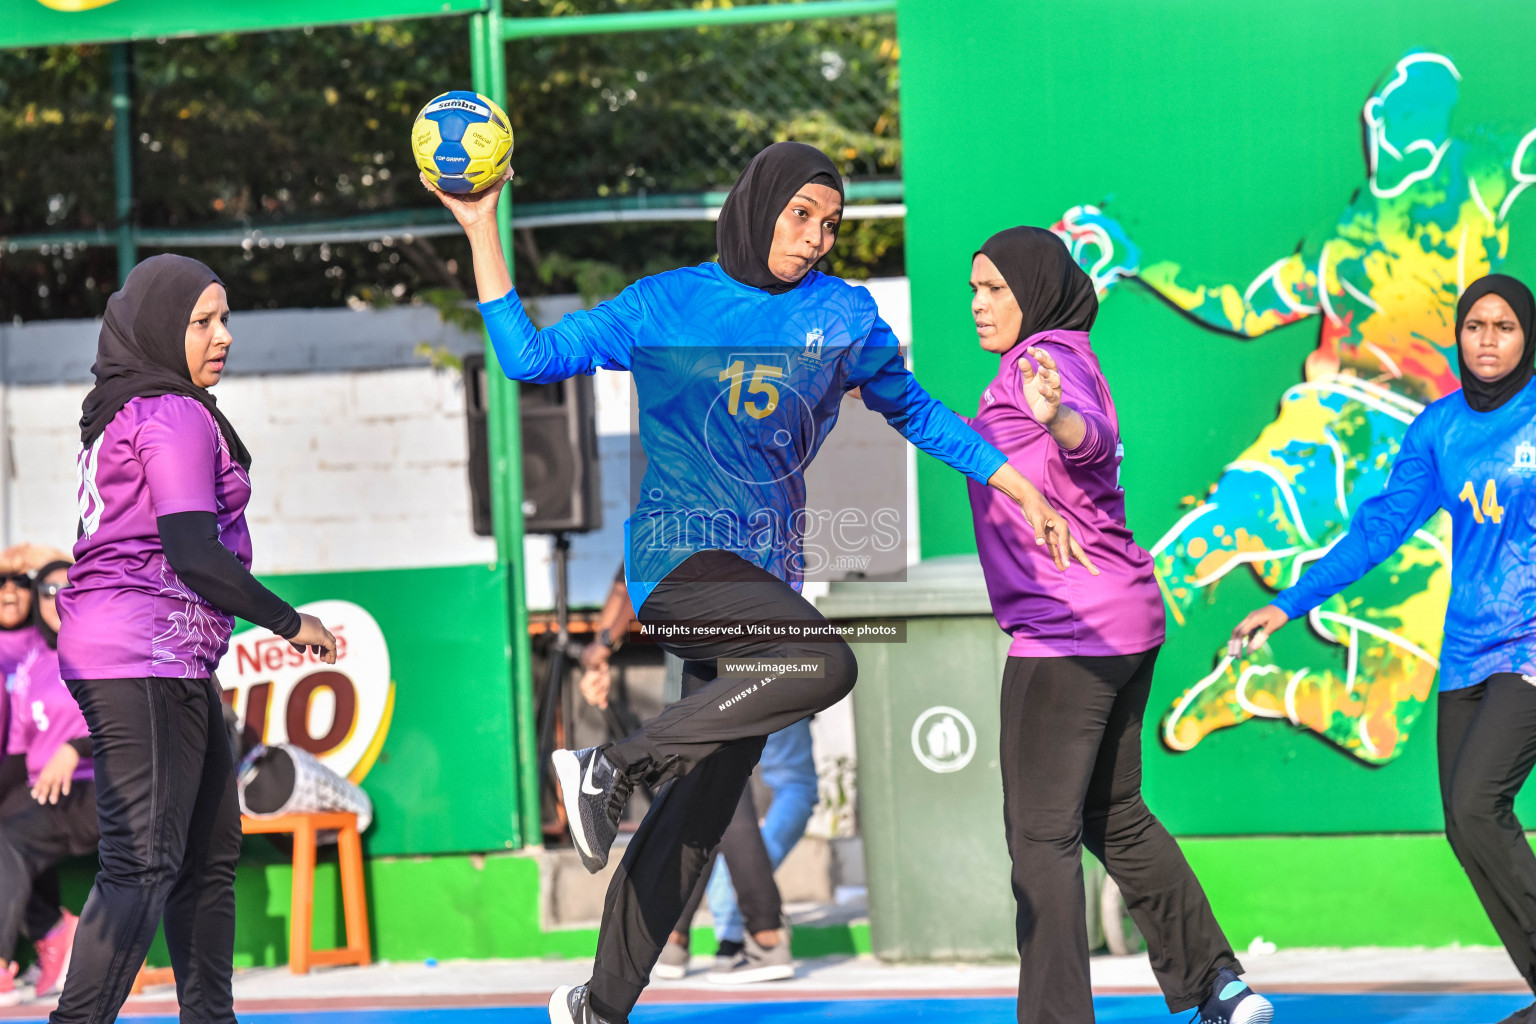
(605, 638)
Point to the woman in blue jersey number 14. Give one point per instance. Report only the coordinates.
(739, 368)
(1472, 453)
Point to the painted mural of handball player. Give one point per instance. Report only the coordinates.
(740, 368)
(1383, 286)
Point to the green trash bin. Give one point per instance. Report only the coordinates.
(929, 790)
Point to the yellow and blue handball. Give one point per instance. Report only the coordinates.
(462, 142)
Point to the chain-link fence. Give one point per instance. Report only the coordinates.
(273, 131)
(683, 110)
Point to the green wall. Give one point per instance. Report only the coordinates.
(1220, 135)
(445, 779)
(455, 906)
(480, 907)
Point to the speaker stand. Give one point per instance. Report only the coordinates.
(554, 686)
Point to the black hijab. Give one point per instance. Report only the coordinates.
(142, 349)
(1483, 396)
(744, 232)
(50, 634)
(1052, 291)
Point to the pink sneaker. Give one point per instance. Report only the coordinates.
(10, 995)
(53, 951)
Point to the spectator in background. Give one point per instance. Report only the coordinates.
(608, 632)
(48, 745)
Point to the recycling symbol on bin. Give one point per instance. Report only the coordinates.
(943, 739)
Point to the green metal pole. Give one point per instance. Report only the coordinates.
(651, 21)
(122, 155)
(489, 74)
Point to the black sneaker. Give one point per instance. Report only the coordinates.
(1232, 1002)
(594, 793)
(569, 1005)
(1524, 1015)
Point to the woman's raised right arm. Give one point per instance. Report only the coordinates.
(579, 343)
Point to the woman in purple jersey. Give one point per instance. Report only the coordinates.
(162, 568)
(1080, 666)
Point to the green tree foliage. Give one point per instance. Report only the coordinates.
(294, 126)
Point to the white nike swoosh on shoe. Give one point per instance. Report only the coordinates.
(586, 783)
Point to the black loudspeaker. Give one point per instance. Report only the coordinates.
(562, 491)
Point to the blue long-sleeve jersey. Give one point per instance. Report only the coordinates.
(1481, 467)
(737, 389)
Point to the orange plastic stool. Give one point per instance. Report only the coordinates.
(151, 976)
(301, 956)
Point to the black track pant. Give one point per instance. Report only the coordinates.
(1071, 762)
(742, 848)
(170, 840)
(1486, 740)
(708, 743)
(32, 841)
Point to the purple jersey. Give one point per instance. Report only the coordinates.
(44, 716)
(126, 614)
(1050, 613)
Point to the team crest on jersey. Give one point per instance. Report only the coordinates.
(1525, 457)
(815, 340)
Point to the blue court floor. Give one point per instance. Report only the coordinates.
(1395, 1008)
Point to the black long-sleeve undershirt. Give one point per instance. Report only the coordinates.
(191, 544)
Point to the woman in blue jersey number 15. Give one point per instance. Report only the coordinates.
(1472, 453)
(739, 368)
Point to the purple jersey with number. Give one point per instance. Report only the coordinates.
(44, 716)
(1050, 613)
(126, 614)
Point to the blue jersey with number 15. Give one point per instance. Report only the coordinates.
(1481, 467)
(738, 388)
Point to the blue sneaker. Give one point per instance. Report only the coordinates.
(1232, 1002)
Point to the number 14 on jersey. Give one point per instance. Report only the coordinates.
(1490, 507)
